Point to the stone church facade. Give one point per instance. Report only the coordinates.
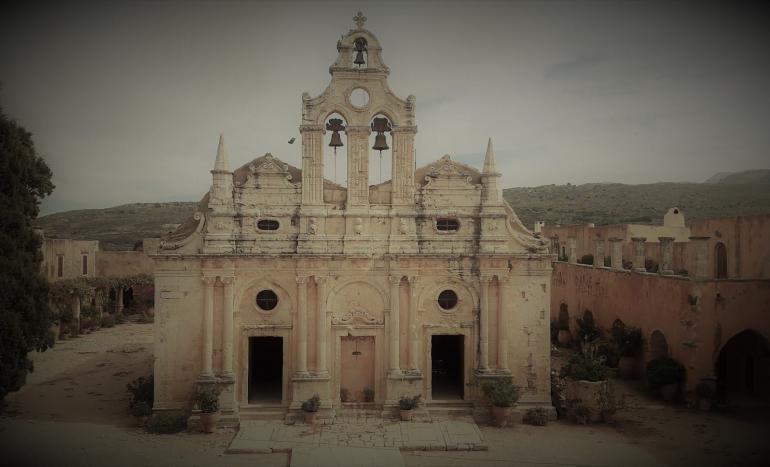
(284, 284)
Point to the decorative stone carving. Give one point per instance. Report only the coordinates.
(312, 227)
(357, 315)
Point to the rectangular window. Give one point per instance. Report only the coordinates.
(85, 265)
(447, 225)
(60, 266)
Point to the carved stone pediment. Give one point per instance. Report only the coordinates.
(270, 165)
(359, 315)
(446, 168)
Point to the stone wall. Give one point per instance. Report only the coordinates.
(122, 263)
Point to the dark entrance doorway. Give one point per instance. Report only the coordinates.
(743, 370)
(265, 369)
(447, 367)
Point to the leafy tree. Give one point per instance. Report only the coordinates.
(24, 317)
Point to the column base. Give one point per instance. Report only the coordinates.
(639, 270)
(205, 378)
(667, 272)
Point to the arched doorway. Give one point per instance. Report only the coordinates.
(743, 369)
(720, 261)
(658, 345)
(563, 316)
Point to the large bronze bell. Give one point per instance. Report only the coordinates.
(380, 144)
(360, 45)
(335, 126)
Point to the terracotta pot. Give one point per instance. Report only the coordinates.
(500, 415)
(597, 396)
(310, 417)
(406, 415)
(669, 391)
(626, 367)
(564, 338)
(209, 421)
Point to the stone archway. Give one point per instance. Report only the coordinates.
(658, 345)
(743, 369)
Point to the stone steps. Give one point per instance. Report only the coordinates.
(449, 409)
(262, 412)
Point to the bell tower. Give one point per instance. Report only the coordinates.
(359, 93)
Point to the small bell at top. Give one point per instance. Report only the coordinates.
(360, 45)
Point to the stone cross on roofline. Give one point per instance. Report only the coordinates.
(360, 19)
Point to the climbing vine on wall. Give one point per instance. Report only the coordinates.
(62, 292)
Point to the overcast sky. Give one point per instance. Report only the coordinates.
(126, 100)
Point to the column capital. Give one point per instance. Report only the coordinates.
(639, 239)
(320, 280)
(665, 239)
(302, 279)
(404, 129)
(486, 278)
(614, 239)
(413, 279)
(503, 279)
(209, 280)
(227, 280)
(310, 127)
(395, 280)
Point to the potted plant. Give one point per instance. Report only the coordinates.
(345, 395)
(537, 416)
(630, 347)
(586, 381)
(406, 406)
(705, 393)
(310, 408)
(141, 412)
(368, 395)
(208, 403)
(664, 375)
(502, 394)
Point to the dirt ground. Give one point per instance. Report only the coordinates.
(72, 412)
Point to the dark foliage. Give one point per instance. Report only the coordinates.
(24, 316)
(142, 391)
(587, 330)
(166, 423)
(663, 371)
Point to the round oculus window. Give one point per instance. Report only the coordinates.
(359, 98)
(267, 300)
(447, 299)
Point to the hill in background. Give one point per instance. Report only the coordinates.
(732, 194)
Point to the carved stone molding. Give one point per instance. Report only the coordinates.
(358, 315)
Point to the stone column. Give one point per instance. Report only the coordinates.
(402, 171)
(119, 300)
(321, 328)
(300, 331)
(227, 328)
(207, 372)
(394, 325)
(414, 333)
(616, 255)
(599, 252)
(76, 312)
(502, 328)
(572, 242)
(666, 255)
(700, 245)
(99, 304)
(639, 254)
(358, 165)
(484, 325)
(312, 164)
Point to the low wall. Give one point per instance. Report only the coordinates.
(122, 263)
(696, 317)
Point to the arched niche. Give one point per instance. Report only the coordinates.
(720, 261)
(658, 345)
(357, 302)
(743, 369)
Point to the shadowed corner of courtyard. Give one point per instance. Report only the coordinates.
(73, 411)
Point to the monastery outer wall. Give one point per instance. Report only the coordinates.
(747, 240)
(72, 252)
(695, 333)
(122, 263)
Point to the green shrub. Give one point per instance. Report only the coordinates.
(207, 398)
(167, 423)
(663, 371)
(312, 404)
(142, 390)
(108, 321)
(537, 416)
(141, 409)
(586, 328)
(408, 403)
(586, 365)
(586, 259)
(501, 392)
(368, 395)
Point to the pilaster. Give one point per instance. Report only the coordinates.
(616, 255)
(666, 255)
(484, 325)
(639, 253)
(207, 373)
(312, 164)
(300, 335)
(358, 165)
(403, 165)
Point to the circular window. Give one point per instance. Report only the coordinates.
(447, 299)
(359, 98)
(267, 300)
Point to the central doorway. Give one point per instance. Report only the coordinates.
(357, 369)
(447, 367)
(265, 369)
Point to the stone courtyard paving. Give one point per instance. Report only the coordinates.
(275, 436)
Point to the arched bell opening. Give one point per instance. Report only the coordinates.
(360, 58)
(381, 143)
(335, 147)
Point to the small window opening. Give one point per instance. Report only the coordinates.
(447, 225)
(267, 224)
(60, 266)
(447, 299)
(267, 300)
(85, 265)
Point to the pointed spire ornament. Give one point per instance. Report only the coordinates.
(490, 164)
(221, 164)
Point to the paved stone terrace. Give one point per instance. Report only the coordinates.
(275, 436)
